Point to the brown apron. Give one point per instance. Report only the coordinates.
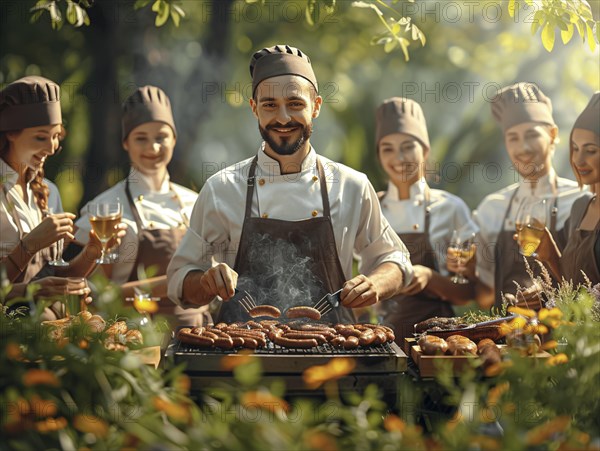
(35, 266)
(510, 264)
(402, 312)
(155, 247)
(287, 263)
(579, 254)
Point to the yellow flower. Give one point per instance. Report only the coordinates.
(393, 423)
(231, 361)
(177, 412)
(497, 368)
(553, 313)
(264, 400)
(517, 323)
(40, 377)
(533, 329)
(541, 433)
(145, 305)
(51, 425)
(496, 392)
(336, 368)
(528, 313)
(558, 359)
(550, 344)
(42, 407)
(13, 351)
(91, 424)
(182, 384)
(321, 441)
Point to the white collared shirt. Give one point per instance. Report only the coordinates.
(447, 213)
(489, 215)
(12, 206)
(218, 216)
(158, 209)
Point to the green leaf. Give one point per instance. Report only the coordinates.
(561, 24)
(361, 4)
(404, 43)
(591, 38)
(581, 29)
(139, 4)
(390, 45)
(36, 15)
(164, 10)
(179, 10)
(157, 5)
(548, 37)
(175, 17)
(420, 35)
(511, 8)
(567, 35)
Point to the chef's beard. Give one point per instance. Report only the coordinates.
(286, 147)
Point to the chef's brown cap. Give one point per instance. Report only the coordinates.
(519, 103)
(589, 119)
(29, 102)
(280, 60)
(400, 115)
(146, 104)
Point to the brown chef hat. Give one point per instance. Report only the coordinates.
(521, 102)
(29, 102)
(280, 60)
(146, 104)
(589, 119)
(400, 115)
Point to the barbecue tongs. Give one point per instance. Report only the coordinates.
(328, 302)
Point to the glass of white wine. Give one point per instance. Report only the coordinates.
(463, 251)
(530, 224)
(58, 260)
(104, 218)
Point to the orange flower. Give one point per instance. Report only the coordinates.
(91, 424)
(533, 329)
(264, 400)
(497, 368)
(42, 407)
(231, 361)
(51, 425)
(336, 368)
(455, 421)
(528, 313)
(558, 359)
(550, 344)
(40, 377)
(145, 305)
(393, 423)
(321, 441)
(496, 392)
(83, 344)
(554, 313)
(176, 412)
(541, 433)
(13, 351)
(182, 384)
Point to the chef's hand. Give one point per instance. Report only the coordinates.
(530, 298)
(96, 246)
(219, 280)
(50, 287)
(547, 249)
(50, 230)
(458, 265)
(359, 291)
(421, 278)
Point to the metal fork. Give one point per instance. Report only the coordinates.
(245, 299)
(328, 302)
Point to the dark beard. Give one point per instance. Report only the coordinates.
(286, 148)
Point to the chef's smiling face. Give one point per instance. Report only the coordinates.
(585, 156)
(402, 157)
(285, 107)
(530, 148)
(30, 147)
(150, 147)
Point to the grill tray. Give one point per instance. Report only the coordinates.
(386, 358)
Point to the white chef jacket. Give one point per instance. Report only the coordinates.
(218, 216)
(489, 215)
(447, 214)
(12, 206)
(158, 210)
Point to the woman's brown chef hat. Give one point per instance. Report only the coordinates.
(400, 115)
(146, 104)
(280, 60)
(519, 103)
(589, 119)
(29, 102)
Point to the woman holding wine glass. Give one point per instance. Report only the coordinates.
(581, 254)
(32, 220)
(155, 209)
(530, 135)
(424, 218)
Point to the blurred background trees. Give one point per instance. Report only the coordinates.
(359, 51)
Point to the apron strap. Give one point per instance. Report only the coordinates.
(134, 211)
(324, 195)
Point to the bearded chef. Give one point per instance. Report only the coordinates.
(287, 206)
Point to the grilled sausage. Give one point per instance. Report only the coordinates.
(295, 342)
(193, 339)
(210, 335)
(338, 341)
(265, 310)
(351, 342)
(197, 330)
(380, 337)
(237, 341)
(366, 338)
(306, 336)
(224, 343)
(258, 339)
(303, 312)
(249, 343)
(350, 332)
